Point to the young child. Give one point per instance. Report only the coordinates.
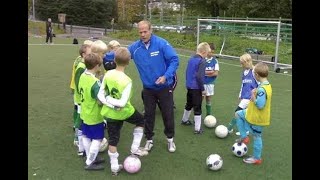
(211, 73)
(248, 82)
(100, 48)
(108, 60)
(115, 93)
(257, 115)
(79, 69)
(93, 125)
(195, 75)
(75, 63)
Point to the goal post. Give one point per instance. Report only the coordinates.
(236, 36)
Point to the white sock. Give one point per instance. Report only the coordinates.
(170, 140)
(186, 115)
(137, 136)
(114, 160)
(197, 122)
(81, 147)
(93, 151)
(86, 144)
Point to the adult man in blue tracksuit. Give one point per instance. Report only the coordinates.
(157, 62)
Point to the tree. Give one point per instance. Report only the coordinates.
(131, 10)
(96, 13)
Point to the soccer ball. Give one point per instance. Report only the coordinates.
(103, 145)
(214, 162)
(239, 149)
(210, 121)
(221, 131)
(132, 164)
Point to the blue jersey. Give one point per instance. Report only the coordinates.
(159, 59)
(248, 83)
(211, 64)
(195, 73)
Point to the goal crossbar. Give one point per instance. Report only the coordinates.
(278, 23)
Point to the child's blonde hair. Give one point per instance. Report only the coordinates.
(203, 47)
(89, 42)
(247, 60)
(99, 47)
(113, 45)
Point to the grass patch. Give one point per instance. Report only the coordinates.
(52, 155)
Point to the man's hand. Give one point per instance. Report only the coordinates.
(161, 80)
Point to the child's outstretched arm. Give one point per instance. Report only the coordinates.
(123, 99)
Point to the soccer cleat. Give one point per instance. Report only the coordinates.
(94, 167)
(116, 172)
(140, 152)
(76, 143)
(98, 160)
(230, 131)
(81, 153)
(245, 140)
(252, 160)
(171, 146)
(148, 146)
(186, 123)
(198, 132)
(238, 133)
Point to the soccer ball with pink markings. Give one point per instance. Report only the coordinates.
(132, 164)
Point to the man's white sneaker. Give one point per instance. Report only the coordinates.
(238, 133)
(140, 152)
(171, 147)
(148, 146)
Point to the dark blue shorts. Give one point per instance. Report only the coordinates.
(93, 131)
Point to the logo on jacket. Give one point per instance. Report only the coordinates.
(156, 53)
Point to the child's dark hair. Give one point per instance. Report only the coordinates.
(261, 69)
(92, 60)
(212, 46)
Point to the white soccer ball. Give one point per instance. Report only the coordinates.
(221, 131)
(210, 121)
(214, 162)
(104, 145)
(239, 149)
(132, 164)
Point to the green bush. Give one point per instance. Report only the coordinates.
(39, 28)
(234, 44)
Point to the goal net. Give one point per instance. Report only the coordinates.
(267, 41)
